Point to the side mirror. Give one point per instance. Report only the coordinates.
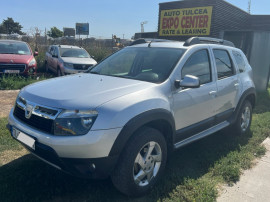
(35, 53)
(189, 81)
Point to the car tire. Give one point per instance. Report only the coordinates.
(244, 118)
(46, 67)
(59, 72)
(141, 163)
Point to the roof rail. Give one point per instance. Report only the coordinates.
(147, 40)
(203, 40)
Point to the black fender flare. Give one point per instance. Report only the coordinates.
(137, 122)
(245, 95)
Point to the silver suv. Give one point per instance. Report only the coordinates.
(65, 59)
(123, 117)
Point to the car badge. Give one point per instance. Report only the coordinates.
(11, 61)
(28, 111)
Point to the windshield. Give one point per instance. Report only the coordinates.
(75, 53)
(17, 48)
(146, 64)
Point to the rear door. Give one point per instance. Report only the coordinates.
(194, 108)
(227, 84)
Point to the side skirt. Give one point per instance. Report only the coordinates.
(201, 134)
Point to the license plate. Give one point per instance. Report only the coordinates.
(22, 137)
(12, 71)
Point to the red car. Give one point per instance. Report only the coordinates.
(16, 57)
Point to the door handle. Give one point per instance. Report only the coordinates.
(213, 93)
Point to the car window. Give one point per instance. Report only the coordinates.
(240, 61)
(223, 63)
(147, 64)
(51, 50)
(72, 52)
(55, 51)
(198, 65)
(17, 48)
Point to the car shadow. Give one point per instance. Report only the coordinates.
(30, 179)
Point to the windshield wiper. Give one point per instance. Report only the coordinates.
(93, 72)
(10, 53)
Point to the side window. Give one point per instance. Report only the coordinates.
(52, 50)
(223, 64)
(198, 65)
(55, 51)
(240, 61)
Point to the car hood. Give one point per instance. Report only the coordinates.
(81, 91)
(78, 60)
(6, 58)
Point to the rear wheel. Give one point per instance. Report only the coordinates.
(141, 163)
(244, 118)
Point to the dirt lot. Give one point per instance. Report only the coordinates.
(7, 99)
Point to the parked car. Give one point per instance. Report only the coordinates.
(16, 57)
(123, 117)
(64, 59)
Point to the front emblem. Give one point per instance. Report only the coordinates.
(28, 110)
(11, 61)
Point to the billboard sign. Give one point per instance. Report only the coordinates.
(69, 31)
(82, 28)
(186, 22)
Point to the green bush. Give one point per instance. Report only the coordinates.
(99, 53)
(13, 82)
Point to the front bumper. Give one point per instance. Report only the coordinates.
(68, 70)
(84, 156)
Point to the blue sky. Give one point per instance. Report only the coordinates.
(106, 17)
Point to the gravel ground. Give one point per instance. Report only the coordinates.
(7, 99)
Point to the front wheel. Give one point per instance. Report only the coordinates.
(141, 163)
(59, 72)
(244, 118)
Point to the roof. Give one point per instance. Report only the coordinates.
(69, 46)
(163, 44)
(11, 41)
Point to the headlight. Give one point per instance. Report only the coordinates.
(66, 64)
(32, 62)
(74, 122)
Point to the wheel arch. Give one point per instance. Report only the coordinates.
(250, 95)
(159, 119)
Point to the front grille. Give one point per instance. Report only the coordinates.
(38, 122)
(20, 67)
(81, 66)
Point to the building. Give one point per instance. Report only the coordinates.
(180, 20)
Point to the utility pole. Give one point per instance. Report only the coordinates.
(45, 36)
(249, 6)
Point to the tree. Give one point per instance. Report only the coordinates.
(8, 26)
(55, 32)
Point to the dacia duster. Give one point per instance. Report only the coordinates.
(123, 117)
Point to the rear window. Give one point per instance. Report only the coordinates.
(223, 63)
(239, 61)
